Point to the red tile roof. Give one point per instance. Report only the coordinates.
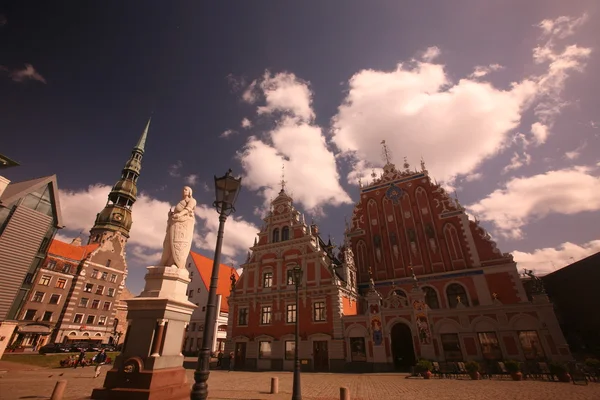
(204, 266)
(72, 252)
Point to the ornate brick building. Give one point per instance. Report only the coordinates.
(434, 284)
(263, 307)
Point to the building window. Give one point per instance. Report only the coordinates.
(290, 315)
(90, 319)
(66, 268)
(102, 320)
(199, 290)
(113, 278)
(88, 287)
(319, 311)
(94, 274)
(83, 302)
(193, 327)
(108, 263)
(78, 318)
(402, 294)
(200, 328)
(111, 292)
(54, 299)
(61, 283)
(38, 297)
(104, 276)
(264, 349)
(530, 343)
(51, 265)
(191, 293)
(290, 348)
(285, 233)
(47, 316)
(290, 277)
(100, 289)
(106, 306)
(456, 293)
(265, 315)
(431, 297)
(95, 304)
(191, 274)
(29, 315)
(45, 280)
(275, 235)
(243, 316)
(451, 347)
(490, 346)
(358, 350)
(267, 279)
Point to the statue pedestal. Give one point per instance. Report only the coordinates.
(151, 364)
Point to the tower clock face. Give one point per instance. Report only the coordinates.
(118, 217)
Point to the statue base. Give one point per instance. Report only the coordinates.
(150, 365)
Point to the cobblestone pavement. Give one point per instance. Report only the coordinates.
(38, 384)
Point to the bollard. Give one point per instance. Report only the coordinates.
(274, 385)
(59, 390)
(344, 393)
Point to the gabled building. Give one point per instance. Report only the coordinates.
(200, 269)
(435, 285)
(90, 290)
(262, 306)
(49, 292)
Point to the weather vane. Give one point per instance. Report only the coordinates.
(283, 182)
(387, 155)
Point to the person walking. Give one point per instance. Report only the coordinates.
(219, 358)
(231, 361)
(100, 361)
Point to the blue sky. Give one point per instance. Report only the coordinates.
(500, 99)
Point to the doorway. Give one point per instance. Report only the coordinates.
(403, 351)
(320, 355)
(240, 356)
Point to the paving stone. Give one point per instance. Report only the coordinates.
(32, 384)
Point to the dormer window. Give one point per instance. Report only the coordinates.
(285, 233)
(275, 235)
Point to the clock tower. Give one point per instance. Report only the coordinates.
(116, 215)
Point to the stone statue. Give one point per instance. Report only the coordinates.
(233, 281)
(180, 231)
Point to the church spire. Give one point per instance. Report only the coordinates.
(283, 181)
(386, 153)
(116, 215)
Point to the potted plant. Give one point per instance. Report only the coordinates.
(514, 369)
(472, 368)
(560, 371)
(425, 367)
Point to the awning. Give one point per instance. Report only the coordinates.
(39, 329)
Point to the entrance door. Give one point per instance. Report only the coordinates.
(402, 347)
(240, 355)
(320, 355)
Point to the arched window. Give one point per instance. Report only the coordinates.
(456, 293)
(431, 297)
(285, 233)
(275, 235)
(402, 294)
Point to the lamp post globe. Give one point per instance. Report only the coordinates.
(227, 189)
(297, 390)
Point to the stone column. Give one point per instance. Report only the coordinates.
(159, 333)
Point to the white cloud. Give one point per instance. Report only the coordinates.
(483, 70)
(431, 53)
(283, 92)
(547, 260)
(227, 133)
(79, 209)
(174, 170)
(191, 180)
(517, 161)
(27, 73)
(521, 200)
(455, 125)
(246, 123)
(310, 167)
(561, 27)
(573, 154)
(474, 177)
(237, 238)
(206, 187)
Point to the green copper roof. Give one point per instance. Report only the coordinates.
(142, 142)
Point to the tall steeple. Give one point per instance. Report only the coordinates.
(116, 215)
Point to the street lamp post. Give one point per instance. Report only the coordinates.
(297, 391)
(227, 189)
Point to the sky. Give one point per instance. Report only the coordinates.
(500, 99)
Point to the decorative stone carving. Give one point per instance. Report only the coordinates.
(180, 231)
